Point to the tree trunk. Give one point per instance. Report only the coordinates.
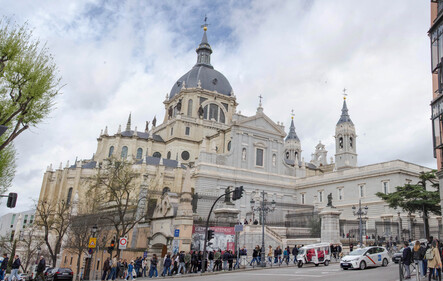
(426, 222)
(78, 263)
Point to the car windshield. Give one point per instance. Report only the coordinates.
(357, 252)
(301, 251)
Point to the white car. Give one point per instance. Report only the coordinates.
(365, 257)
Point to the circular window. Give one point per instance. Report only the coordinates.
(157, 155)
(229, 146)
(185, 155)
(168, 155)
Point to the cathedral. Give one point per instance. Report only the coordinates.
(204, 146)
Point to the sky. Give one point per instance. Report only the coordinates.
(121, 57)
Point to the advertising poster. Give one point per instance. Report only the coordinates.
(224, 238)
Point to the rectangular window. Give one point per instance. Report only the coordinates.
(12, 221)
(31, 220)
(66, 259)
(320, 196)
(303, 198)
(187, 131)
(25, 220)
(259, 157)
(385, 187)
(172, 131)
(340, 194)
(361, 190)
(70, 262)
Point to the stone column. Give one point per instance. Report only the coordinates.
(226, 216)
(330, 225)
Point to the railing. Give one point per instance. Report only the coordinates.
(413, 270)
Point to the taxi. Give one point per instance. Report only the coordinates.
(365, 257)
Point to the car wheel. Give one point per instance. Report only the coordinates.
(362, 265)
(385, 262)
(316, 264)
(300, 264)
(326, 263)
(345, 268)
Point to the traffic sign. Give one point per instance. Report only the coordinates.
(177, 233)
(122, 243)
(238, 227)
(92, 242)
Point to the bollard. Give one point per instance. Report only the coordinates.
(400, 270)
(417, 271)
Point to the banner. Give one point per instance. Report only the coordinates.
(224, 238)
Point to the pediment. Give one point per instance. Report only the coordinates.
(262, 123)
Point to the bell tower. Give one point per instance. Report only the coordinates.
(345, 141)
(292, 144)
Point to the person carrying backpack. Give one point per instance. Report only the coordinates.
(418, 254)
(434, 262)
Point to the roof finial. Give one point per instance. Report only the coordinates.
(205, 25)
(260, 98)
(344, 93)
(128, 125)
(292, 114)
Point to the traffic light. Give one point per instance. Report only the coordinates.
(112, 246)
(12, 200)
(238, 193)
(210, 234)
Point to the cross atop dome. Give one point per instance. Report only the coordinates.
(205, 25)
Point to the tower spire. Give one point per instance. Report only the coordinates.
(204, 50)
(128, 125)
(344, 118)
(292, 135)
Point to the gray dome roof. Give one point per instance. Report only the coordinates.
(203, 72)
(210, 80)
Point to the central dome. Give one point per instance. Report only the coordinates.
(203, 74)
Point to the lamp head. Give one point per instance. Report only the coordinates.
(94, 228)
(273, 204)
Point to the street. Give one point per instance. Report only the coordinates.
(310, 272)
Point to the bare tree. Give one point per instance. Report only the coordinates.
(54, 219)
(29, 246)
(117, 196)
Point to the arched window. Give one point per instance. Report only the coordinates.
(68, 198)
(350, 142)
(213, 112)
(157, 155)
(111, 150)
(124, 153)
(274, 160)
(296, 155)
(168, 155)
(190, 107)
(340, 142)
(139, 153)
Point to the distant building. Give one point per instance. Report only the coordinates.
(9, 222)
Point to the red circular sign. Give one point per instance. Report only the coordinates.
(123, 241)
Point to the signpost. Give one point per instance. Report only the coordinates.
(177, 233)
(122, 243)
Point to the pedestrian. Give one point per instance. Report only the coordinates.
(199, 261)
(230, 259)
(211, 260)
(166, 266)
(40, 269)
(286, 255)
(181, 262)
(106, 269)
(113, 265)
(153, 269)
(130, 269)
(144, 266)
(434, 260)
(270, 254)
(295, 253)
(188, 263)
(217, 262)
(4, 266)
(406, 259)
(225, 260)
(418, 254)
(351, 248)
(243, 255)
(254, 256)
(15, 266)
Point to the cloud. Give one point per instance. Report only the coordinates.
(118, 57)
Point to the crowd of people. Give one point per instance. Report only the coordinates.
(426, 256)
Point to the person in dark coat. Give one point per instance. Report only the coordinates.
(106, 268)
(406, 259)
(15, 266)
(295, 253)
(230, 259)
(41, 268)
(167, 266)
(4, 266)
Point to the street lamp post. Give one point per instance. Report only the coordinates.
(88, 265)
(264, 210)
(360, 212)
